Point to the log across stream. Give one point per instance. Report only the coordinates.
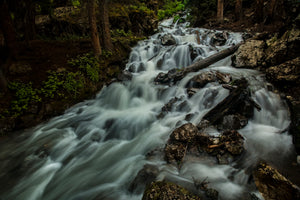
(99, 148)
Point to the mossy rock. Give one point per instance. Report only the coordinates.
(162, 190)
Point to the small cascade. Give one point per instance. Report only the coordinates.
(95, 150)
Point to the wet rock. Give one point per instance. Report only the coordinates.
(175, 152)
(184, 106)
(237, 102)
(212, 194)
(191, 91)
(223, 159)
(249, 55)
(283, 49)
(202, 79)
(167, 107)
(233, 122)
(125, 76)
(184, 133)
(96, 137)
(195, 52)
(136, 67)
(145, 176)
(177, 145)
(219, 39)
(288, 72)
(167, 191)
(273, 185)
(223, 78)
(229, 144)
(234, 142)
(168, 39)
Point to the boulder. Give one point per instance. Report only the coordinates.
(167, 191)
(219, 39)
(202, 79)
(168, 39)
(175, 152)
(249, 55)
(184, 133)
(287, 72)
(145, 176)
(223, 78)
(273, 185)
(177, 145)
(233, 122)
(283, 49)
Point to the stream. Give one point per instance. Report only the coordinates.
(95, 150)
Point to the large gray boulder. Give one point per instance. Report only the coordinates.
(249, 55)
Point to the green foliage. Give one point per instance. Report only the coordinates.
(88, 64)
(170, 8)
(141, 8)
(106, 53)
(58, 83)
(75, 3)
(24, 96)
(53, 83)
(73, 82)
(120, 33)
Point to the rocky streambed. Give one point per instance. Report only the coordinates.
(216, 133)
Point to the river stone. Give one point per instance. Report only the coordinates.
(167, 191)
(219, 39)
(223, 78)
(145, 176)
(168, 39)
(233, 122)
(285, 72)
(174, 152)
(273, 185)
(185, 133)
(233, 141)
(249, 55)
(202, 79)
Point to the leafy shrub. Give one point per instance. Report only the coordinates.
(170, 8)
(24, 96)
(88, 64)
(57, 82)
(120, 33)
(53, 83)
(73, 82)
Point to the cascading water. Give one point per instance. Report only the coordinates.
(95, 149)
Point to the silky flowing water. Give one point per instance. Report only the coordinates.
(95, 150)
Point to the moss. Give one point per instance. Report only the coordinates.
(162, 190)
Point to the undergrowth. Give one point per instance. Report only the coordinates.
(170, 8)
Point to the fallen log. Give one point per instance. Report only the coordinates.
(238, 102)
(175, 75)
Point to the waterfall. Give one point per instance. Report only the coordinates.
(95, 150)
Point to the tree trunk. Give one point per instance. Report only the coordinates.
(104, 24)
(238, 10)
(3, 82)
(171, 76)
(259, 11)
(220, 10)
(29, 20)
(93, 27)
(8, 29)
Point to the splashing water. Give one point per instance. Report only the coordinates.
(95, 149)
